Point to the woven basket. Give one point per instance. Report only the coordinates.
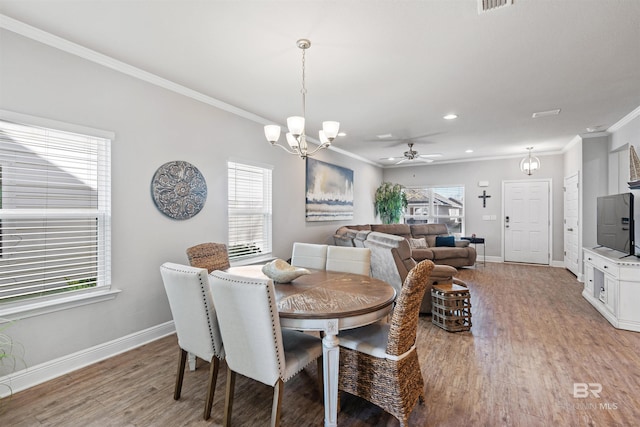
(451, 311)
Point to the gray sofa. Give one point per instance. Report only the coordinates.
(391, 261)
(460, 255)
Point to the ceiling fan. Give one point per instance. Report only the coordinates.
(411, 155)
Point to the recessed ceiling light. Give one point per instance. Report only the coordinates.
(596, 128)
(385, 136)
(342, 134)
(546, 113)
(469, 151)
(450, 116)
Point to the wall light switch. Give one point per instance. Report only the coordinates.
(483, 183)
(493, 217)
(486, 217)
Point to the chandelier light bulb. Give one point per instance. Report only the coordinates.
(272, 133)
(296, 125)
(322, 136)
(292, 141)
(330, 129)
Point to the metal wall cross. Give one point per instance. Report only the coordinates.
(484, 198)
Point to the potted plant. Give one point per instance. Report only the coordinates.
(390, 202)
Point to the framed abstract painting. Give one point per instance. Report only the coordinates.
(329, 192)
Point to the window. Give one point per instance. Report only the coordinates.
(436, 205)
(249, 211)
(55, 213)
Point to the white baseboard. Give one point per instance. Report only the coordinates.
(501, 259)
(32, 376)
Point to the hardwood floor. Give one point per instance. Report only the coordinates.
(533, 337)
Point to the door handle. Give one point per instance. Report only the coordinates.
(569, 229)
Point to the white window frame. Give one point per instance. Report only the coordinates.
(102, 291)
(257, 203)
(432, 216)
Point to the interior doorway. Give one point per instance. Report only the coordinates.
(571, 224)
(526, 221)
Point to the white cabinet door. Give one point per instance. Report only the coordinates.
(588, 278)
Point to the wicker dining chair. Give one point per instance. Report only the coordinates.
(379, 362)
(255, 345)
(212, 256)
(195, 321)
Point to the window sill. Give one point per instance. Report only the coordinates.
(255, 260)
(23, 311)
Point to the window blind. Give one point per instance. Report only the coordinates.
(250, 214)
(55, 233)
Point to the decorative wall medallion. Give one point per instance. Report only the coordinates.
(179, 190)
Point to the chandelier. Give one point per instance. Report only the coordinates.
(530, 163)
(296, 137)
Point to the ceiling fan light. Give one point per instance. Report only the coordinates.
(272, 132)
(295, 125)
(331, 129)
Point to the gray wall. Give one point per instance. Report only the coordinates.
(621, 139)
(494, 171)
(152, 126)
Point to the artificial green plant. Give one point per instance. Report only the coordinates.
(390, 202)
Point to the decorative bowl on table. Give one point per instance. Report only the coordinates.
(281, 271)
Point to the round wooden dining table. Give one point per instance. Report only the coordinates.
(328, 301)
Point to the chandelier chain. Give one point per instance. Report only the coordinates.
(304, 86)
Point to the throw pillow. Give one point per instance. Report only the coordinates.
(418, 243)
(445, 241)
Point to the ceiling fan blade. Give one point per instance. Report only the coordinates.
(420, 159)
(401, 141)
(402, 161)
(430, 155)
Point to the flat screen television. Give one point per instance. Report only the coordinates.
(616, 222)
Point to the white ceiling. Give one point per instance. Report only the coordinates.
(382, 67)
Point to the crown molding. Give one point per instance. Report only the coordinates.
(623, 121)
(64, 45)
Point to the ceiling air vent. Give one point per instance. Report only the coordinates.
(488, 5)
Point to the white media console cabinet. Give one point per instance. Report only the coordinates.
(612, 286)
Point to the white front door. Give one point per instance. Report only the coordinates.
(571, 213)
(526, 222)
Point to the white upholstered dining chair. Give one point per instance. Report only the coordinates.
(309, 255)
(349, 260)
(195, 321)
(255, 345)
